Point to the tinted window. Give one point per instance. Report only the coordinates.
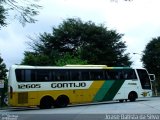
(43, 75)
(19, 75)
(144, 79)
(85, 75)
(75, 74)
(112, 74)
(128, 74)
(97, 75)
(25, 75)
(61, 75)
(120, 74)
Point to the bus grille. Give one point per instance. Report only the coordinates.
(23, 98)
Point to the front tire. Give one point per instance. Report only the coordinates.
(121, 101)
(132, 97)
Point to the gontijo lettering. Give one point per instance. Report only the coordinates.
(68, 85)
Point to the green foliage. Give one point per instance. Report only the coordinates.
(70, 59)
(23, 10)
(2, 16)
(83, 40)
(151, 57)
(3, 70)
(3, 76)
(36, 59)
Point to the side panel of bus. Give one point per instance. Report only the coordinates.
(31, 93)
(98, 91)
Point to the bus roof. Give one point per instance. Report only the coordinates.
(85, 65)
(68, 67)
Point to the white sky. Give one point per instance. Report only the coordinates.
(138, 20)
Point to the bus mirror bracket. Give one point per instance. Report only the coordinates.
(152, 77)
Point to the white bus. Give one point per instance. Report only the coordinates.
(59, 86)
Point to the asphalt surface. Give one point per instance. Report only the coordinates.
(147, 109)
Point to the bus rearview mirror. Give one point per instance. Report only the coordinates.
(152, 77)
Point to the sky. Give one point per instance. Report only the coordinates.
(138, 20)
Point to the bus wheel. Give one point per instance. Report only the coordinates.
(46, 102)
(61, 101)
(132, 96)
(121, 101)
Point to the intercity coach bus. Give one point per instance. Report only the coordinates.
(75, 84)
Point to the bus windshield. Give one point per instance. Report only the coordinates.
(144, 79)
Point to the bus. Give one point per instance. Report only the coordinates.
(53, 86)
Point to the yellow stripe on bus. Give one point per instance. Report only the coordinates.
(75, 96)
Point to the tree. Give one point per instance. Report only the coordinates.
(32, 58)
(23, 10)
(151, 58)
(3, 76)
(70, 59)
(2, 16)
(90, 42)
(3, 69)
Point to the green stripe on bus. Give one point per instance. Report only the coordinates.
(110, 94)
(103, 90)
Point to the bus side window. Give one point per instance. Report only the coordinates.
(85, 75)
(43, 75)
(28, 75)
(58, 77)
(114, 74)
(75, 75)
(131, 74)
(25, 75)
(20, 75)
(117, 75)
(61, 75)
(107, 76)
(96, 75)
(53, 75)
(110, 74)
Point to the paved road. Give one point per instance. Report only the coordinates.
(98, 111)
